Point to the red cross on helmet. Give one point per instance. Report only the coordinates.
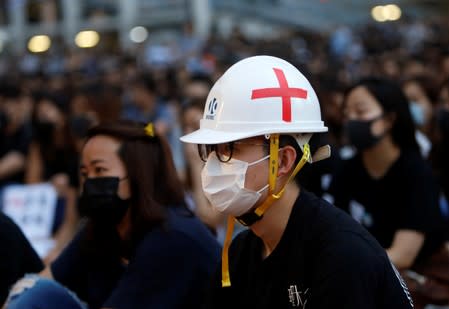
(256, 96)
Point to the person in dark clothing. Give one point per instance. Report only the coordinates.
(17, 256)
(141, 247)
(387, 186)
(15, 134)
(53, 158)
(298, 251)
(391, 189)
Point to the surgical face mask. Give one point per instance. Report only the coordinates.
(224, 185)
(99, 201)
(417, 112)
(359, 133)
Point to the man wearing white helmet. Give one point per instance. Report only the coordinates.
(299, 251)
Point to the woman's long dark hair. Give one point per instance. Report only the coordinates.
(393, 101)
(154, 182)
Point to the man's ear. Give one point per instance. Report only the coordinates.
(286, 160)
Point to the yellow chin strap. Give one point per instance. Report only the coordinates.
(259, 211)
(225, 279)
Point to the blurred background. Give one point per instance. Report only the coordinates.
(66, 65)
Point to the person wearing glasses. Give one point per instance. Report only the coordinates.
(298, 251)
(140, 247)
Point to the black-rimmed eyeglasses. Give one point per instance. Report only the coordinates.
(223, 151)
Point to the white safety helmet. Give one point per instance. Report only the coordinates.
(259, 95)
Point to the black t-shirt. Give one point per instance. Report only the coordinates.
(17, 257)
(324, 260)
(406, 197)
(170, 269)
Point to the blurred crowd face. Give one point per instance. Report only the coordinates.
(49, 119)
(196, 90)
(47, 112)
(141, 96)
(79, 105)
(391, 68)
(191, 119)
(414, 68)
(15, 111)
(421, 107)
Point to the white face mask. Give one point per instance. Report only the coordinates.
(224, 185)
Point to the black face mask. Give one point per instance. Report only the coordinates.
(99, 201)
(359, 133)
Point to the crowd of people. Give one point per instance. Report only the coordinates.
(383, 93)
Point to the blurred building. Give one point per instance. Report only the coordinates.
(62, 20)
(116, 20)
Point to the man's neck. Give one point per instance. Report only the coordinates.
(272, 226)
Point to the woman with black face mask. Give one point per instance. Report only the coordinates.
(387, 186)
(140, 246)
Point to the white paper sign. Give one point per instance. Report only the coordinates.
(32, 208)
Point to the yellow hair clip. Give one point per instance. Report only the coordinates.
(149, 130)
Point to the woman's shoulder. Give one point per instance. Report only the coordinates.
(180, 219)
(182, 230)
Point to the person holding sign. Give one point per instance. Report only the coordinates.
(141, 247)
(299, 250)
